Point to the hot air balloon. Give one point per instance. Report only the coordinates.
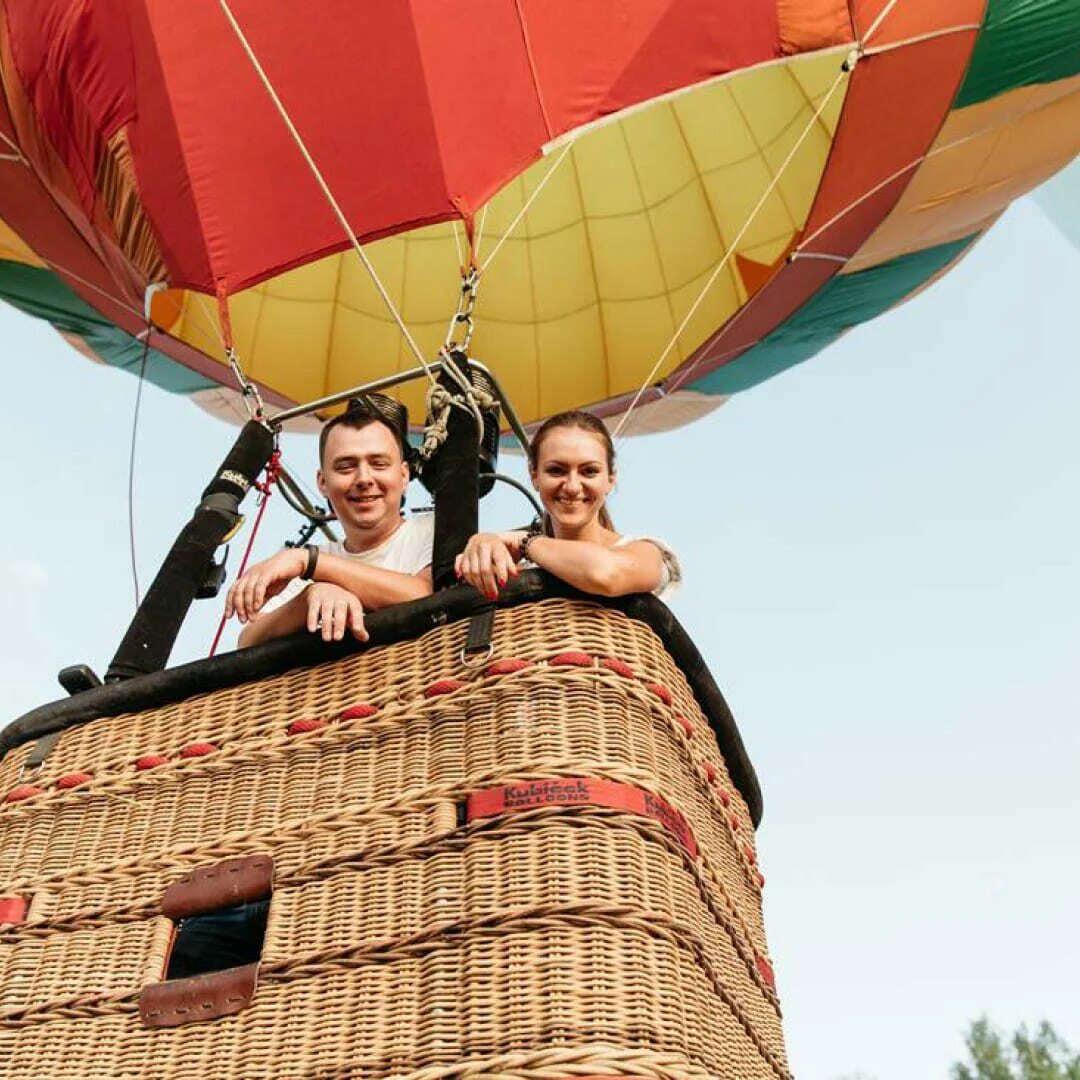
(812, 169)
(511, 839)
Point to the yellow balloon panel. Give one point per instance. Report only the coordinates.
(585, 290)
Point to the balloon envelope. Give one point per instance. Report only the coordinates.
(688, 194)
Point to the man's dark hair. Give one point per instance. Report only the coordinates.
(371, 409)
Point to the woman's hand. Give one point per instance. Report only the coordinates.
(334, 610)
(489, 561)
(262, 581)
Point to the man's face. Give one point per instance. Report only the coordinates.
(364, 477)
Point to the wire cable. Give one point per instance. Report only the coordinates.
(327, 193)
(131, 466)
(732, 248)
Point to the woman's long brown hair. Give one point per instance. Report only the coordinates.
(585, 421)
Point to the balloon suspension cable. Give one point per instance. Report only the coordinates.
(526, 206)
(463, 317)
(248, 390)
(131, 463)
(731, 248)
(264, 487)
(325, 188)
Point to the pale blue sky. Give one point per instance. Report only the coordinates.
(881, 554)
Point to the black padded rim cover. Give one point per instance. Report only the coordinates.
(386, 627)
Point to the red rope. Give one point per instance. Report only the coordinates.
(273, 469)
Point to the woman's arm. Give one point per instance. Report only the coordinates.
(636, 567)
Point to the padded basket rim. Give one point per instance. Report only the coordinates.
(386, 627)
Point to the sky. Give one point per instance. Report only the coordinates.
(881, 550)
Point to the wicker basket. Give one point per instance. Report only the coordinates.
(538, 866)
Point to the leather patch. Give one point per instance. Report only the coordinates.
(221, 885)
(203, 997)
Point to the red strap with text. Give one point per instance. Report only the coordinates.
(580, 791)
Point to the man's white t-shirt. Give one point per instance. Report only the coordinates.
(407, 551)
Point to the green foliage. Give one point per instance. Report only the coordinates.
(1043, 1055)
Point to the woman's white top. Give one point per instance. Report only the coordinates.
(670, 570)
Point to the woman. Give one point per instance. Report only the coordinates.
(572, 467)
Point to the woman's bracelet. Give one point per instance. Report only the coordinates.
(523, 547)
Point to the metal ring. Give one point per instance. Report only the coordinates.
(481, 657)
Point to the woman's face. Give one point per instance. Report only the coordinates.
(572, 477)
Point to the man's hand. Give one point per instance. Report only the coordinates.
(262, 581)
(334, 610)
(488, 561)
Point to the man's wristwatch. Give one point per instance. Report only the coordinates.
(312, 560)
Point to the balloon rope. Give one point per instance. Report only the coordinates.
(131, 464)
(17, 156)
(882, 16)
(733, 246)
(934, 151)
(63, 270)
(319, 179)
(525, 208)
(265, 487)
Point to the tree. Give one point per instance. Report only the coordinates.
(1043, 1055)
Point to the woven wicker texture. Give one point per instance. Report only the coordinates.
(407, 935)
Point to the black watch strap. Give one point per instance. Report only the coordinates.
(312, 559)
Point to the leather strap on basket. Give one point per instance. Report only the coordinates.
(569, 791)
(202, 997)
(223, 884)
(478, 648)
(40, 751)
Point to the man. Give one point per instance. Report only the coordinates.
(384, 559)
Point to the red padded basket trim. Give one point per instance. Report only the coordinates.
(620, 667)
(151, 761)
(662, 692)
(198, 749)
(507, 667)
(443, 686)
(571, 659)
(301, 727)
(580, 791)
(359, 711)
(73, 780)
(13, 909)
(23, 791)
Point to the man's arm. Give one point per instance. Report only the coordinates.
(376, 587)
(322, 606)
(286, 619)
(372, 586)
